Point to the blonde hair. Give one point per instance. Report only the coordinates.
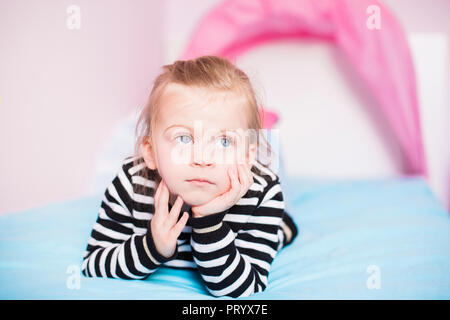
(210, 72)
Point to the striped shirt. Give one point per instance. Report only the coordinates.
(232, 250)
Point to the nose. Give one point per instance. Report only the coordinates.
(202, 163)
(202, 157)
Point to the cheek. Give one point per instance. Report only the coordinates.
(223, 182)
(164, 152)
(225, 157)
(171, 154)
(177, 154)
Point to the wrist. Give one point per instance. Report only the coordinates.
(197, 214)
(201, 214)
(203, 221)
(159, 254)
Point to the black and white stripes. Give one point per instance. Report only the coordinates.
(232, 250)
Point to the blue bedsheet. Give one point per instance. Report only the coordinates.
(374, 239)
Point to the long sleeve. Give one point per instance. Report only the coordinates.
(114, 250)
(238, 264)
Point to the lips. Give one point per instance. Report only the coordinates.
(200, 180)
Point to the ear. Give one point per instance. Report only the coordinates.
(148, 154)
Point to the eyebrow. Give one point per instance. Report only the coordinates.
(177, 125)
(187, 127)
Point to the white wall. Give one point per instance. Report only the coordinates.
(326, 111)
(62, 91)
(431, 55)
(429, 21)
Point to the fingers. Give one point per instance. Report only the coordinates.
(158, 191)
(175, 211)
(156, 195)
(235, 184)
(233, 173)
(240, 174)
(244, 179)
(180, 225)
(164, 197)
(156, 203)
(245, 175)
(160, 204)
(242, 169)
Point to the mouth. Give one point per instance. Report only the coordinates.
(200, 182)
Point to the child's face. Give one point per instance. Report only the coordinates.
(189, 143)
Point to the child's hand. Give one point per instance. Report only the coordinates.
(164, 227)
(241, 179)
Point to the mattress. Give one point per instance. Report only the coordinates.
(361, 239)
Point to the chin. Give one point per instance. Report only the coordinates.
(196, 199)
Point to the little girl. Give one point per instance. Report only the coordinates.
(194, 195)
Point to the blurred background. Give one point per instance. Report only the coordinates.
(67, 87)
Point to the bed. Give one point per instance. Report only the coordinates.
(374, 239)
(359, 238)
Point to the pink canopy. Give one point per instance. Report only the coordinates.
(380, 56)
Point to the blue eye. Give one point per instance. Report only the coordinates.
(184, 139)
(225, 141)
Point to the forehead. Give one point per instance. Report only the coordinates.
(183, 105)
